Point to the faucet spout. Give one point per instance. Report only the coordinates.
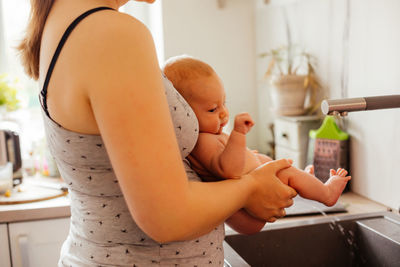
(345, 105)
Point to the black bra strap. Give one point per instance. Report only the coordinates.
(58, 50)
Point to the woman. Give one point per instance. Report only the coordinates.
(108, 124)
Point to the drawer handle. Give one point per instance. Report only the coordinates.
(285, 135)
(23, 243)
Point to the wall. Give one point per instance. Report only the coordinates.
(374, 70)
(151, 16)
(357, 45)
(2, 43)
(224, 38)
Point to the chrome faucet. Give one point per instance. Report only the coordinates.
(342, 106)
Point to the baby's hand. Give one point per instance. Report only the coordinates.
(243, 123)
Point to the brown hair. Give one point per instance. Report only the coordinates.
(30, 46)
(181, 69)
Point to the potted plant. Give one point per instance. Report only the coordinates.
(8, 94)
(293, 78)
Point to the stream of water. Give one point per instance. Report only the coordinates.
(348, 237)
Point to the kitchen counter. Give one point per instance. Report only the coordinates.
(59, 208)
(40, 210)
(354, 203)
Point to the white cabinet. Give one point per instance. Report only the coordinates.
(4, 250)
(291, 137)
(37, 243)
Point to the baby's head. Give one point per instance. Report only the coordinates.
(201, 87)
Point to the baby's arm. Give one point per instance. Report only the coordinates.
(244, 223)
(224, 158)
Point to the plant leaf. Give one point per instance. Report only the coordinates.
(270, 68)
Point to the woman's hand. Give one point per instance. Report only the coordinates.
(270, 196)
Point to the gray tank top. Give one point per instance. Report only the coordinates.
(102, 231)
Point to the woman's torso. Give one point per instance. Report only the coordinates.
(102, 230)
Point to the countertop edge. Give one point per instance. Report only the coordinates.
(40, 210)
(12, 216)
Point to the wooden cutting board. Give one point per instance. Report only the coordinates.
(32, 192)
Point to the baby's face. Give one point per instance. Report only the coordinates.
(208, 102)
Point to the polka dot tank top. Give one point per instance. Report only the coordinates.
(102, 231)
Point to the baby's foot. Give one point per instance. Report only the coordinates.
(336, 184)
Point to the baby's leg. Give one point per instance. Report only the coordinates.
(308, 186)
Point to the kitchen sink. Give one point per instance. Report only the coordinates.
(370, 239)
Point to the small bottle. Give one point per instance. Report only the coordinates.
(29, 165)
(6, 177)
(45, 168)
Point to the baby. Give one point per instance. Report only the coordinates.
(218, 155)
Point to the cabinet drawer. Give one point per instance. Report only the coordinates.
(293, 132)
(287, 134)
(4, 251)
(37, 243)
(298, 158)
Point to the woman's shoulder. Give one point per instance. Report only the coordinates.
(123, 19)
(117, 25)
(114, 43)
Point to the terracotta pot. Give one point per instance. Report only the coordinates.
(288, 94)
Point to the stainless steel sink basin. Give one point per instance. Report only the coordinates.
(371, 239)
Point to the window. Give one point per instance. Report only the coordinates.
(27, 120)
(151, 16)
